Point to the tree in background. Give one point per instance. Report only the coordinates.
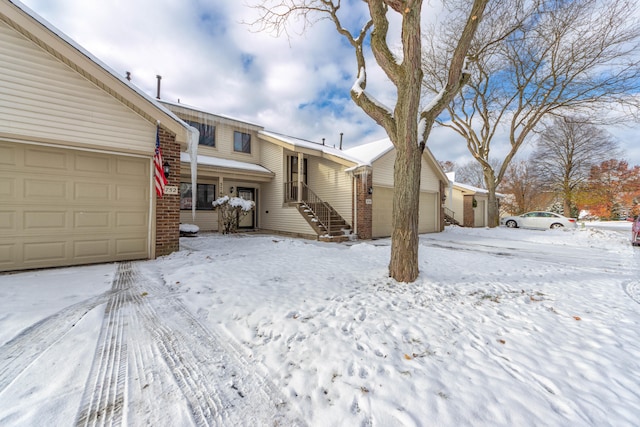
(522, 186)
(407, 124)
(564, 154)
(612, 190)
(536, 58)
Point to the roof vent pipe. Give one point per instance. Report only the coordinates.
(129, 75)
(341, 133)
(159, 77)
(322, 141)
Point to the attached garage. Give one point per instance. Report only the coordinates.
(383, 206)
(63, 207)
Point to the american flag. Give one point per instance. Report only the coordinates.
(161, 180)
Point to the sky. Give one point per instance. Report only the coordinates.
(503, 327)
(211, 59)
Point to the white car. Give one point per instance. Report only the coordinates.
(538, 219)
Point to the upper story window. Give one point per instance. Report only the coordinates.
(207, 133)
(241, 142)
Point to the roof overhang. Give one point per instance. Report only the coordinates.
(51, 40)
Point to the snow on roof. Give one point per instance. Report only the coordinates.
(476, 190)
(303, 143)
(58, 33)
(201, 111)
(372, 151)
(225, 163)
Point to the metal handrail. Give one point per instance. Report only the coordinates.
(319, 207)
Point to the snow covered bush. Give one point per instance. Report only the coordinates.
(232, 209)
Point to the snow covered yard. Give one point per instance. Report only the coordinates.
(503, 327)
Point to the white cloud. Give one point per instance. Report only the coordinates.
(209, 59)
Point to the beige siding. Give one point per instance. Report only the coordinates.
(275, 216)
(66, 207)
(383, 173)
(428, 217)
(383, 207)
(332, 184)
(43, 99)
(205, 220)
(381, 214)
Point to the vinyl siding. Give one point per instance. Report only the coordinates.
(280, 218)
(332, 184)
(383, 173)
(43, 99)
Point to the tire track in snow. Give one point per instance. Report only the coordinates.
(632, 289)
(20, 352)
(103, 400)
(221, 386)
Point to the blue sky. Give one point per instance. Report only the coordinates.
(209, 59)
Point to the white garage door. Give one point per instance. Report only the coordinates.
(383, 206)
(63, 207)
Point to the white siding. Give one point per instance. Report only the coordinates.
(332, 184)
(279, 217)
(43, 99)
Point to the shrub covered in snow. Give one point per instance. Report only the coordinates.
(232, 210)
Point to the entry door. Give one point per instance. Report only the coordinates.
(249, 220)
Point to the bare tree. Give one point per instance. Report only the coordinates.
(407, 125)
(535, 58)
(565, 152)
(522, 186)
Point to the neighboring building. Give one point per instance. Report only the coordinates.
(467, 205)
(300, 188)
(76, 154)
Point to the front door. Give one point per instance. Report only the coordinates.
(249, 220)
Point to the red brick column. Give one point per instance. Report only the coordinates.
(468, 219)
(168, 207)
(364, 181)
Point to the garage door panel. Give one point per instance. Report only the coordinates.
(39, 252)
(130, 193)
(7, 156)
(97, 191)
(44, 159)
(7, 188)
(91, 249)
(131, 219)
(129, 167)
(45, 220)
(49, 189)
(93, 220)
(72, 210)
(92, 164)
(131, 246)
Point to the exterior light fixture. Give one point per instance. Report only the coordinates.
(370, 190)
(230, 190)
(166, 169)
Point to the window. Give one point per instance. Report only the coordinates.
(205, 195)
(241, 142)
(207, 133)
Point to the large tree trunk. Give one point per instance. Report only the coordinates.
(406, 197)
(493, 209)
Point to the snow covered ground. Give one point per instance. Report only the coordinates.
(504, 327)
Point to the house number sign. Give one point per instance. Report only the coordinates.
(170, 189)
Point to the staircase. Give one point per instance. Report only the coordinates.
(323, 218)
(449, 217)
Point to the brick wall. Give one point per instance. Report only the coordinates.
(364, 210)
(468, 219)
(168, 207)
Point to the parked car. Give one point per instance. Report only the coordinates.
(539, 220)
(635, 232)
